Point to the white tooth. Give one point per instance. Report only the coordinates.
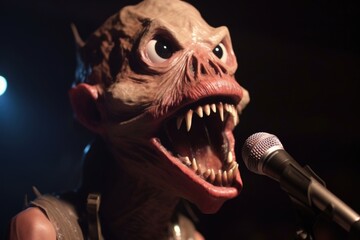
(233, 165)
(236, 169)
(234, 114)
(227, 108)
(236, 119)
(231, 109)
(212, 176)
(207, 173)
(198, 171)
(230, 176)
(225, 178)
(221, 111)
(234, 109)
(185, 160)
(207, 109)
(194, 164)
(188, 119)
(219, 177)
(199, 111)
(213, 107)
(230, 158)
(179, 121)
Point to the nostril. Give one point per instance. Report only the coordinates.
(194, 64)
(204, 66)
(223, 69)
(202, 69)
(218, 68)
(196, 67)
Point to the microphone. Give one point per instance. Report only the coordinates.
(264, 154)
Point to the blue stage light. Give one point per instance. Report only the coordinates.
(3, 85)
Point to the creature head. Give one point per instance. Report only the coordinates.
(157, 84)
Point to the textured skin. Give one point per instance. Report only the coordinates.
(133, 100)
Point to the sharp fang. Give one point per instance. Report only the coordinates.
(199, 111)
(219, 177)
(207, 109)
(188, 119)
(236, 119)
(212, 176)
(233, 165)
(225, 178)
(230, 158)
(179, 122)
(235, 168)
(213, 107)
(227, 107)
(185, 160)
(234, 114)
(194, 165)
(207, 173)
(230, 109)
(221, 111)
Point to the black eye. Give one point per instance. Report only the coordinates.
(159, 50)
(163, 49)
(220, 52)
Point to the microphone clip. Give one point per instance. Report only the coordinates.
(306, 216)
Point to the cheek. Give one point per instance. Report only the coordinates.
(129, 99)
(131, 94)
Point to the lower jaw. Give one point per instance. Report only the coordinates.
(206, 196)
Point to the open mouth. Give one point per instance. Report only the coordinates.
(198, 136)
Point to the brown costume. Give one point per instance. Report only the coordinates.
(156, 85)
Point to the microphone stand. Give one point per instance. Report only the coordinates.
(307, 214)
(306, 217)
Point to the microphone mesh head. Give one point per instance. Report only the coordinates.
(256, 148)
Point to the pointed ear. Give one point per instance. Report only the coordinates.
(84, 101)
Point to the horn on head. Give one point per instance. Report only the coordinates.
(79, 42)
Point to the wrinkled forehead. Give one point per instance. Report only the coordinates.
(179, 17)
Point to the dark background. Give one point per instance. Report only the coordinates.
(300, 61)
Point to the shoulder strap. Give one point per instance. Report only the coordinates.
(62, 215)
(92, 207)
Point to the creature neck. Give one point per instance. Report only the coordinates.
(135, 210)
(131, 206)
